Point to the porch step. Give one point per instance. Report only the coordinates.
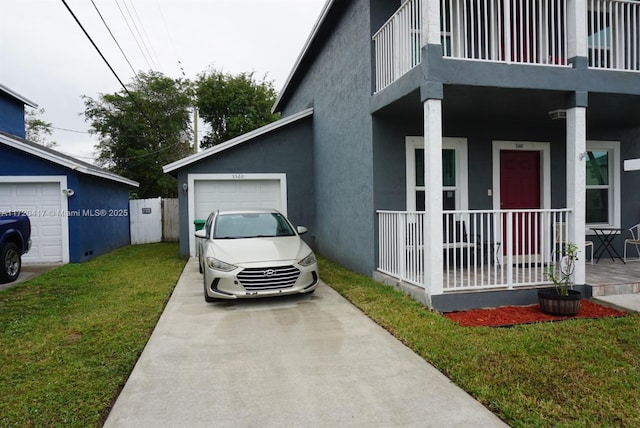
(623, 302)
(615, 289)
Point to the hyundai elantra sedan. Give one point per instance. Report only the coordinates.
(254, 253)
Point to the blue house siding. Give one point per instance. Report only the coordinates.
(91, 232)
(102, 223)
(286, 150)
(11, 115)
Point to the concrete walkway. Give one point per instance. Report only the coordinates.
(623, 302)
(312, 361)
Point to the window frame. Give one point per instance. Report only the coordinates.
(459, 145)
(614, 167)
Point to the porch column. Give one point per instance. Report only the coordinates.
(576, 178)
(577, 29)
(433, 256)
(430, 22)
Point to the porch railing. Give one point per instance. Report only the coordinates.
(512, 31)
(398, 44)
(484, 249)
(614, 34)
(509, 31)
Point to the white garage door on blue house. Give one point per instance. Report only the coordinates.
(43, 202)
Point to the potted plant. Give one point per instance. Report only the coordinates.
(562, 299)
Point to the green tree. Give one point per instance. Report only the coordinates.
(36, 129)
(142, 129)
(233, 105)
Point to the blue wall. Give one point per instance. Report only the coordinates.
(92, 232)
(103, 223)
(11, 115)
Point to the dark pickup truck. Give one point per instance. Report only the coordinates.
(15, 240)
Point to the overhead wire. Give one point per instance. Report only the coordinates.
(106, 61)
(173, 45)
(151, 51)
(114, 38)
(129, 94)
(135, 39)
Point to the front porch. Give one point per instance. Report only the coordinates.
(496, 252)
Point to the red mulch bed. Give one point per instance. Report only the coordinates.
(506, 316)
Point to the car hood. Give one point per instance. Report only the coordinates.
(258, 250)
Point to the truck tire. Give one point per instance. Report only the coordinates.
(10, 262)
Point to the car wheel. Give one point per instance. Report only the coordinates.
(11, 262)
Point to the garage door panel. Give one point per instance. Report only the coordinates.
(41, 200)
(211, 195)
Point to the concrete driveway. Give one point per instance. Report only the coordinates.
(29, 271)
(299, 361)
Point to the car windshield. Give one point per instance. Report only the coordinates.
(251, 225)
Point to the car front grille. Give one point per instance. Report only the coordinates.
(270, 278)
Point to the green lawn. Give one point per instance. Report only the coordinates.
(577, 373)
(69, 338)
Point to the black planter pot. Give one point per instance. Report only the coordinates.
(554, 304)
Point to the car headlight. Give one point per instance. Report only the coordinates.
(308, 261)
(216, 264)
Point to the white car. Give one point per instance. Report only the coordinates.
(254, 253)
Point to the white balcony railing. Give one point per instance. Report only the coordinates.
(510, 31)
(614, 34)
(484, 249)
(398, 44)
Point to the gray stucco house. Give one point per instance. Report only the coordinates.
(449, 146)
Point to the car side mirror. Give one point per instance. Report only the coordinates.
(201, 234)
(301, 230)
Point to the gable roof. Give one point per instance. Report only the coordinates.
(17, 96)
(56, 157)
(305, 54)
(238, 140)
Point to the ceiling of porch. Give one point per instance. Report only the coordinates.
(486, 104)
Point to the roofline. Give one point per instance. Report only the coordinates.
(238, 140)
(303, 53)
(17, 96)
(65, 161)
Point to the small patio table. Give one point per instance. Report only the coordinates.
(605, 235)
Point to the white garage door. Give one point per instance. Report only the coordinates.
(222, 191)
(42, 202)
(211, 195)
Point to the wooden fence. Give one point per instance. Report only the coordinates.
(153, 220)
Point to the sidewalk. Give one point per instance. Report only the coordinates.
(304, 360)
(623, 302)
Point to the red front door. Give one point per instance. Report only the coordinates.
(520, 189)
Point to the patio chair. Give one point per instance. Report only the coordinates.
(457, 241)
(560, 234)
(635, 240)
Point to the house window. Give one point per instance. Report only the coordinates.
(602, 184)
(454, 165)
(449, 188)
